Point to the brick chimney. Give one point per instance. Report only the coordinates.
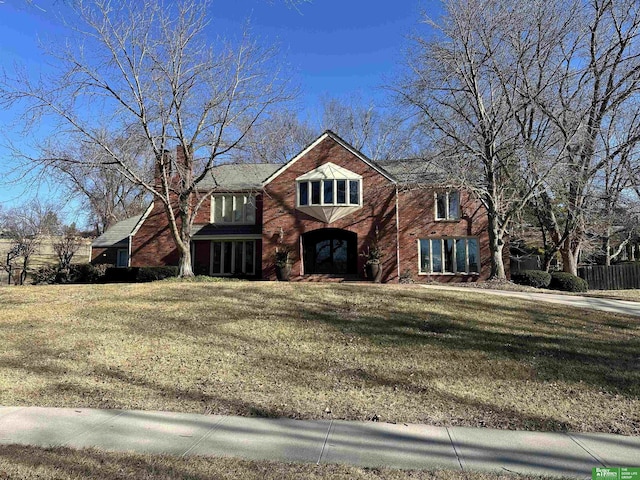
(182, 172)
(157, 174)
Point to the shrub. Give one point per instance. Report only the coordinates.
(119, 275)
(84, 273)
(151, 274)
(532, 278)
(45, 274)
(139, 274)
(567, 283)
(76, 273)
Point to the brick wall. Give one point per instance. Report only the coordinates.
(154, 245)
(104, 256)
(417, 220)
(378, 211)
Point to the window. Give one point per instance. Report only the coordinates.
(123, 258)
(448, 205)
(329, 192)
(449, 255)
(233, 209)
(233, 257)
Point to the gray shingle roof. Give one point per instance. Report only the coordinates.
(239, 176)
(415, 171)
(118, 234)
(250, 176)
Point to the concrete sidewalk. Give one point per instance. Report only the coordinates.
(365, 444)
(602, 304)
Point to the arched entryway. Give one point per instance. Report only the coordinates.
(330, 251)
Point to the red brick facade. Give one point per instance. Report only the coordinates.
(397, 215)
(378, 211)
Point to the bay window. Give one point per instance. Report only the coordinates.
(329, 192)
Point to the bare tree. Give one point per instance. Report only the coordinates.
(600, 79)
(473, 81)
(147, 65)
(277, 139)
(67, 245)
(378, 132)
(86, 172)
(24, 226)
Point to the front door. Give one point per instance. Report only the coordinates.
(330, 251)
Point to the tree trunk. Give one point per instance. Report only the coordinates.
(569, 255)
(184, 246)
(185, 263)
(607, 247)
(496, 244)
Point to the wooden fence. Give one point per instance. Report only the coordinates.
(614, 277)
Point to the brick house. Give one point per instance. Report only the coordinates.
(327, 206)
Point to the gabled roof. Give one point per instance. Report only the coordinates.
(238, 176)
(341, 142)
(118, 234)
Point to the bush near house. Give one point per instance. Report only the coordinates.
(532, 278)
(77, 273)
(88, 273)
(138, 274)
(567, 283)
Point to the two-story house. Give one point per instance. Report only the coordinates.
(327, 206)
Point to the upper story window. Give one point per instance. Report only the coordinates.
(238, 209)
(329, 192)
(448, 205)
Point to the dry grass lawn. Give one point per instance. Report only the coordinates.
(403, 353)
(632, 295)
(31, 463)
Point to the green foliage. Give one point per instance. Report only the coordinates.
(45, 275)
(118, 275)
(77, 273)
(84, 273)
(282, 257)
(532, 278)
(567, 283)
(139, 274)
(151, 274)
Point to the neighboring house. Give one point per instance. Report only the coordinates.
(328, 206)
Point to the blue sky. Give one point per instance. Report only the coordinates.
(334, 48)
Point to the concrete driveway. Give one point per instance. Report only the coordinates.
(593, 303)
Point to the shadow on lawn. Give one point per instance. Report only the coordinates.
(556, 344)
(574, 347)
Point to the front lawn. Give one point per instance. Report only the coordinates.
(395, 353)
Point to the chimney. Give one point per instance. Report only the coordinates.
(183, 171)
(157, 174)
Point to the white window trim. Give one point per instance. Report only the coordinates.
(233, 257)
(454, 261)
(246, 199)
(446, 217)
(335, 193)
